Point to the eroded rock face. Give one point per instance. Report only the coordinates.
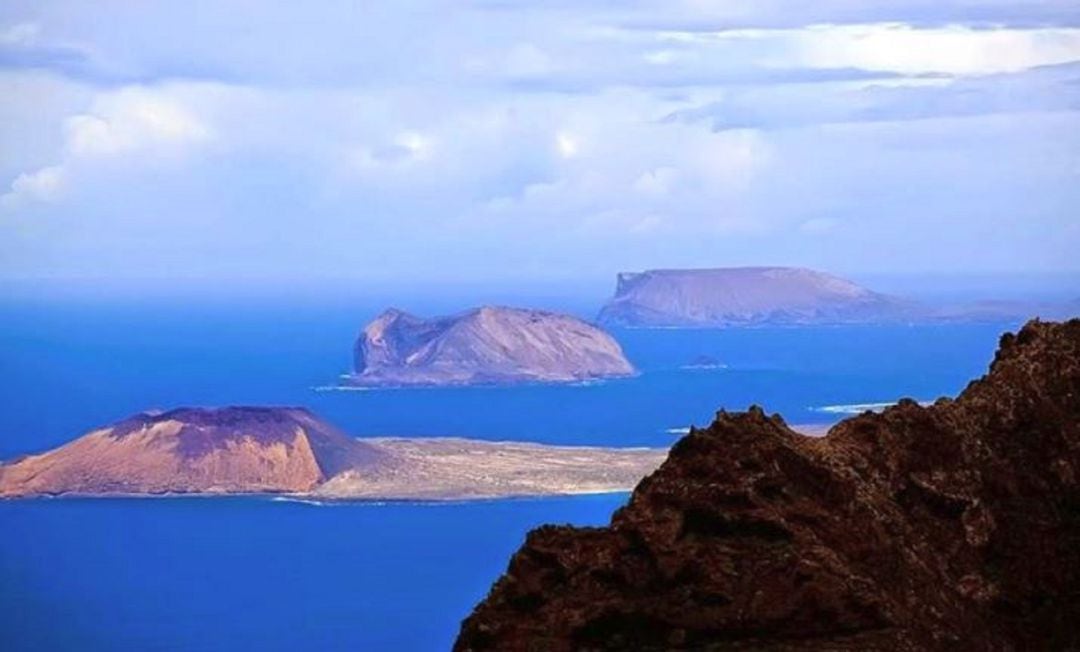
(954, 526)
(194, 450)
(488, 345)
(746, 296)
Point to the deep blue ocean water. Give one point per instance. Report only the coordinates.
(247, 573)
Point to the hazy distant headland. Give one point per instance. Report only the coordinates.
(786, 296)
(271, 450)
(487, 345)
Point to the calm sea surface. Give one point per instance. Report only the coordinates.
(243, 573)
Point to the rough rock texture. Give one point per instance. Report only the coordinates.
(949, 527)
(483, 346)
(746, 296)
(194, 450)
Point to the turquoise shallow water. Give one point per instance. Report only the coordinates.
(246, 573)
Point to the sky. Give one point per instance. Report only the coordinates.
(223, 141)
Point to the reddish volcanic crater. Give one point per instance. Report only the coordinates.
(205, 430)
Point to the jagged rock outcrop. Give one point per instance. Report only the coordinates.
(488, 345)
(194, 450)
(949, 527)
(746, 296)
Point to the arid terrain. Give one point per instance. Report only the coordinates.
(246, 450)
(945, 527)
(451, 468)
(484, 346)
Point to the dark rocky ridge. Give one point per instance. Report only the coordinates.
(954, 526)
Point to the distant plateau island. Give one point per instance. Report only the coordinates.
(786, 296)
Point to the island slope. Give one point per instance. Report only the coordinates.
(244, 450)
(947, 527)
(195, 450)
(488, 345)
(746, 296)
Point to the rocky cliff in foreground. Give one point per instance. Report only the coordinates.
(746, 296)
(489, 345)
(949, 527)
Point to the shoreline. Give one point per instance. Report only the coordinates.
(311, 498)
(427, 469)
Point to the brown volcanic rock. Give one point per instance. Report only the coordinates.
(194, 450)
(955, 526)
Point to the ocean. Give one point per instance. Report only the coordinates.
(258, 573)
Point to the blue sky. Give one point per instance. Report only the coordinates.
(419, 141)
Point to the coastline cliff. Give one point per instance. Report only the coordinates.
(488, 345)
(953, 526)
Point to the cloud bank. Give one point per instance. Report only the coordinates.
(563, 140)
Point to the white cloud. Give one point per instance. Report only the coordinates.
(130, 121)
(538, 133)
(959, 50)
(661, 57)
(638, 178)
(566, 144)
(1044, 90)
(657, 182)
(47, 184)
(528, 60)
(20, 34)
(418, 145)
(892, 47)
(818, 225)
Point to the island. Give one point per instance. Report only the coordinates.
(484, 346)
(790, 296)
(942, 527)
(290, 451)
(746, 296)
(704, 363)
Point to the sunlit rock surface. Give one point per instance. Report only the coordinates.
(489, 345)
(266, 450)
(194, 450)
